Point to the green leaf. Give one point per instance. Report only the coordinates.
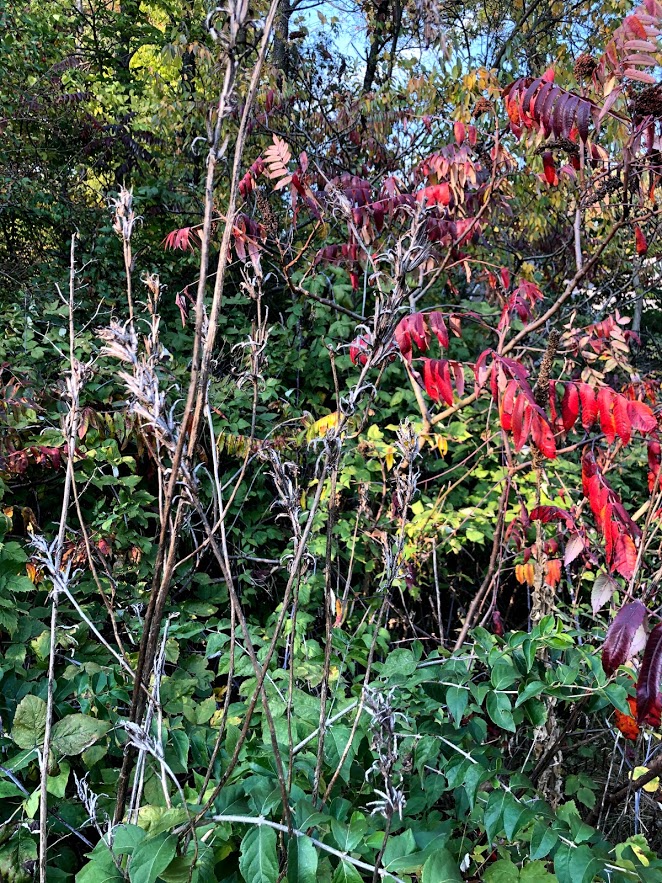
(258, 861)
(543, 840)
(535, 872)
(101, 869)
(441, 867)
(502, 871)
(151, 856)
(499, 709)
(29, 722)
(457, 699)
(534, 688)
(76, 732)
(346, 873)
(574, 864)
(126, 838)
(503, 674)
(301, 861)
(515, 816)
(398, 663)
(349, 836)
(492, 819)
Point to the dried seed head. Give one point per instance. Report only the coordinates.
(649, 102)
(482, 106)
(585, 66)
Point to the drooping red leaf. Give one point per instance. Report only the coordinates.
(641, 416)
(521, 421)
(506, 406)
(649, 699)
(570, 406)
(438, 328)
(543, 436)
(605, 408)
(412, 329)
(620, 635)
(622, 419)
(625, 555)
(459, 131)
(589, 405)
(437, 380)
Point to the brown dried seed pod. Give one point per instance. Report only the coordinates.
(585, 66)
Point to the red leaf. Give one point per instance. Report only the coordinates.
(546, 514)
(414, 329)
(543, 436)
(589, 405)
(621, 418)
(570, 406)
(521, 421)
(549, 168)
(625, 555)
(641, 416)
(649, 699)
(506, 408)
(620, 635)
(437, 380)
(605, 406)
(438, 328)
(640, 241)
(459, 131)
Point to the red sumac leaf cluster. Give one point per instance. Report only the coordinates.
(611, 518)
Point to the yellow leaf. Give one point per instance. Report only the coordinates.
(442, 445)
(320, 427)
(652, 786)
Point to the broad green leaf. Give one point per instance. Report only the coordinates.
(536, 872)
(398, 663)
(151, 856)
(503, 674)
(493, 816)
(349, 836)
(543, 840)
(301, 861)
(29, 722)
(179, 869)
(126, 838)
(258, 861)
(76, 732)
(534, 688)
(101, 869)
(499, 709)
(441, 867)
(574, 864)
(502, 871)
(346, 873)
(457, 699)
(515, 815)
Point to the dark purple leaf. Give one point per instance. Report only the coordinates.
(620, 635)
(649, 699)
